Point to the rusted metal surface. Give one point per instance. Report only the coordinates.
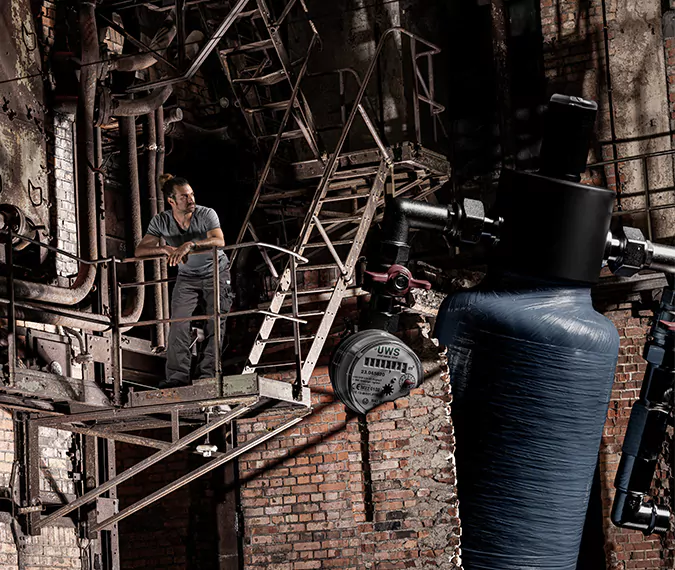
(141, 466)
(134, 306)
(23, 153)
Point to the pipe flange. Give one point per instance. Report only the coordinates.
(13, 218)
(104, 106)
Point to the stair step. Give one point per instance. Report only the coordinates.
(316, 267)
(254, 14)
(248, 48)
(288, 135)
(345, 197)
(285, 339)
(268, 79)
(273, 106)
(337, 242)
(355, 173)
(311, 314)
(333, 221)
(288, 364)
(316, 291)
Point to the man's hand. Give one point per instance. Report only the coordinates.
(180, 254)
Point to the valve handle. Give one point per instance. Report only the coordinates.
(399, 280)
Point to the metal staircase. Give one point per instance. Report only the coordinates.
(262, 76)
(333, 233)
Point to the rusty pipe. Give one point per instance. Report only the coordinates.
(35, 313)
(162, 40)
(182, 130)
(158, 312)
(134, 306)
(142, 106)
(161, 153)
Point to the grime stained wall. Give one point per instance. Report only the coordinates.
(36, 173)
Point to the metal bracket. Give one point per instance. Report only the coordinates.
(106, 508)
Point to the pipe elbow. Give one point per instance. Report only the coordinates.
(631, 510)
(144, 105)
(162, 40)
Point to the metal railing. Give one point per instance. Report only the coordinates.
(115, 322)
(646, 191)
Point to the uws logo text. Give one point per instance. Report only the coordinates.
(388, 350)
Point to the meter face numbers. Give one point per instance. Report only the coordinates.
(371, 367)
(383, 373)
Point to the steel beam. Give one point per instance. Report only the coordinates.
(142, 465)
(189, 477)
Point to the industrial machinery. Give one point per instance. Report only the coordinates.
(530, 361)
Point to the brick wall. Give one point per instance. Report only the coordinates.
(331, 493)
(65, 208)
(575, 64)
(58, 545)
(176, 532)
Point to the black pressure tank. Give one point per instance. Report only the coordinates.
(531, 365)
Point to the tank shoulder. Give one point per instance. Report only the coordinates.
(564, 317)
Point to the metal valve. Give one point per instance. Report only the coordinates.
(399, 281)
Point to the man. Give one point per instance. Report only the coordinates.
(186, 228)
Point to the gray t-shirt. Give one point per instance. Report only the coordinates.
(164, 225)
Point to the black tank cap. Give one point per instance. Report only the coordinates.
(553, 228)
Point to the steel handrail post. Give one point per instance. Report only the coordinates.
(115, 299)
(216, 320)
(11, 334)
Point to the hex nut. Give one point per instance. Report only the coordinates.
(633, 253)
(473, 221)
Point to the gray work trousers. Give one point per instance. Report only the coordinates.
(187, 294)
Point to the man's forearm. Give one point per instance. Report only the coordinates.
(149, 251)
(209, 242)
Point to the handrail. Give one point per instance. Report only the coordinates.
(632, 158)
(232, 247)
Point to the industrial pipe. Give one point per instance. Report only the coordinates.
(134, 306)
(182, 130)
(72, 318)
(158, 312)
(161, 153)
(142, 106)
(162, 40)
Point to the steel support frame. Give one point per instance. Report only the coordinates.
(195, 474)
(33, 425)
